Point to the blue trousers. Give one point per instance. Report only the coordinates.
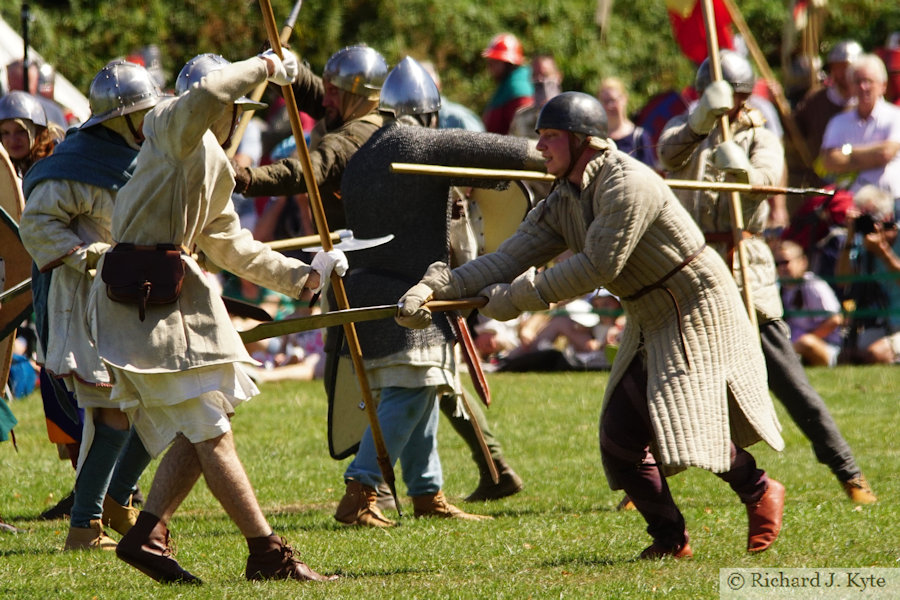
(409, 421)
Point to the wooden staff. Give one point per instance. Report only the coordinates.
(679, 184)
(337, 284)
(257, 93)
(781, 102)
(737, 215)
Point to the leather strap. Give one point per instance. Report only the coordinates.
(467, 346)
(659, 285)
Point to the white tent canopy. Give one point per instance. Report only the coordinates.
(11, 46)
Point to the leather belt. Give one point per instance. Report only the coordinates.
(659, 285)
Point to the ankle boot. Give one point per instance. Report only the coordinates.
(764, 518)
(118, 517)
(89, 538)
(271, 558)
(147, 548)
(436, 505)
(508, 483)
(359, 507)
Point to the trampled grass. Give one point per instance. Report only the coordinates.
(559, 538)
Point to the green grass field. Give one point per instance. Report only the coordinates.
(559, 538)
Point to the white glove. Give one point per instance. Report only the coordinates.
(507, 301)
(326, 262)
(93, 252)
(436, 283)
(731, 158)
(717, 99)
(285, 68)
(412, 312)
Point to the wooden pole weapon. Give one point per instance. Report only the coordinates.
(514, 174)
(737, 215)
(257, 93)
(337, 284)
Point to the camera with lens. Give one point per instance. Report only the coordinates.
(864, 224)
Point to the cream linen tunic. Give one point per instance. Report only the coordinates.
(628, 231)
(685, 155)
(180, 194)
(61, 219)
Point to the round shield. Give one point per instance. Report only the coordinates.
(496, 214)
(15, 262)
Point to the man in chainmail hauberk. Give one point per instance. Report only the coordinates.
(409, 370)
(345, 102)
(691, 147)
(688, 380)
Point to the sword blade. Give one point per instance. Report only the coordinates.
(16, 290)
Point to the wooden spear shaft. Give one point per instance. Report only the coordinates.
(513, 174)
(257, 93)
(781, 103)
(337, 284)
(737, 215)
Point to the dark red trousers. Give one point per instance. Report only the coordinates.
(625, 435)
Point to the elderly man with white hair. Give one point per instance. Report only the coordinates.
(862, 144)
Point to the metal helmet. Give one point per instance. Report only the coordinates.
(360, 70)
(505, 47)
(735, 70)
(576, 112)
(409, 90)
(121, 88)
(845, 51)
(199, 67)
(21, 105)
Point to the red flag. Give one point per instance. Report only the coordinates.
(686, 17)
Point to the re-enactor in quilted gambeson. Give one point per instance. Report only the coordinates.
(691, 147)
(689, 379)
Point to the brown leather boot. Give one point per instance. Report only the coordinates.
(359, 507)
(655, 552)
(118, 517)
(858, 490)
(764, 518)
(271, 558)
(147, 548)
(89, 538)
(436, 505)
(508, 483)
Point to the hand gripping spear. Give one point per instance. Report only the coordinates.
(737, 216)
(259, 90)
(315, 201)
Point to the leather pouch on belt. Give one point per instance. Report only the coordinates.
(142, 275)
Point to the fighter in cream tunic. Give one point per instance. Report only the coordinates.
(181, 194)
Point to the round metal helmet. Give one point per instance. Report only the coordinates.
(21, 105)
(845, 51)
(409, 90)
(358, 69)
(505, 47)
(198, 67)
(576, 112)
(121, 88)
(735, 70)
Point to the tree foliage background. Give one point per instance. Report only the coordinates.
(80, 36)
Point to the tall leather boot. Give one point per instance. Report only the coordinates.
(508, 482)
(147, 548)
(271, 558)
(764, 518)
(359, 507)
